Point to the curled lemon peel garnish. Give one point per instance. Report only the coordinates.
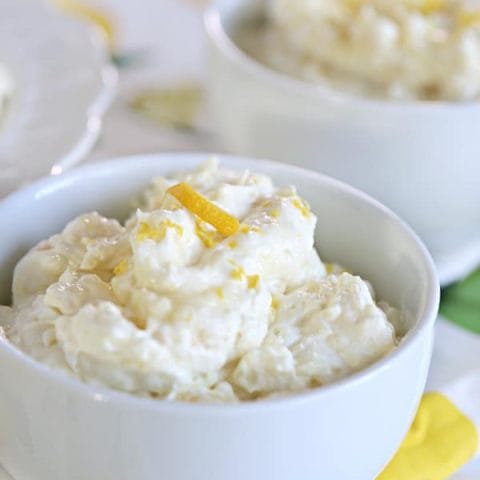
(206, 210)
(146, 232)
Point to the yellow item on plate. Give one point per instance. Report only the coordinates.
(440, 441)
(175, 107)
(93, 14)
(224, 223)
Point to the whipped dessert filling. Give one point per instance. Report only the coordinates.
(405, 49)
(212, 290)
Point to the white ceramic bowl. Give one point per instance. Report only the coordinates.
(420, 158)
(56, 428)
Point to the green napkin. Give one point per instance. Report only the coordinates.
(461, 302)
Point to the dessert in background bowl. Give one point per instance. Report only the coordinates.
(309, 433)
(405, 50)
(345, 88)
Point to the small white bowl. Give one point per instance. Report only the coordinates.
(54, 427)
(419, 158)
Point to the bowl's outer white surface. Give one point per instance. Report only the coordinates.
(55, 428)
(420, 159)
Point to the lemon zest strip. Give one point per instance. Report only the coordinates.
(196, 203)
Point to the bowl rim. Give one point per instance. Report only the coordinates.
(219, 36)
(424, 321)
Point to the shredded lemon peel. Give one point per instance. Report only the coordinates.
(238, 273)
(146, 232)
(244, 228)
(301, 206)
(121, 268)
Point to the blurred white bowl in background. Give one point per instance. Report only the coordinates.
(422, 159)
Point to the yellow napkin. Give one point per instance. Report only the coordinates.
(443, 436)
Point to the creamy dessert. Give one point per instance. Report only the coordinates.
(6, 89)
(399, 49)
(212, 290)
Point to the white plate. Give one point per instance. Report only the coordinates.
(63, 85)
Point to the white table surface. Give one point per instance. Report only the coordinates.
(167, 36)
